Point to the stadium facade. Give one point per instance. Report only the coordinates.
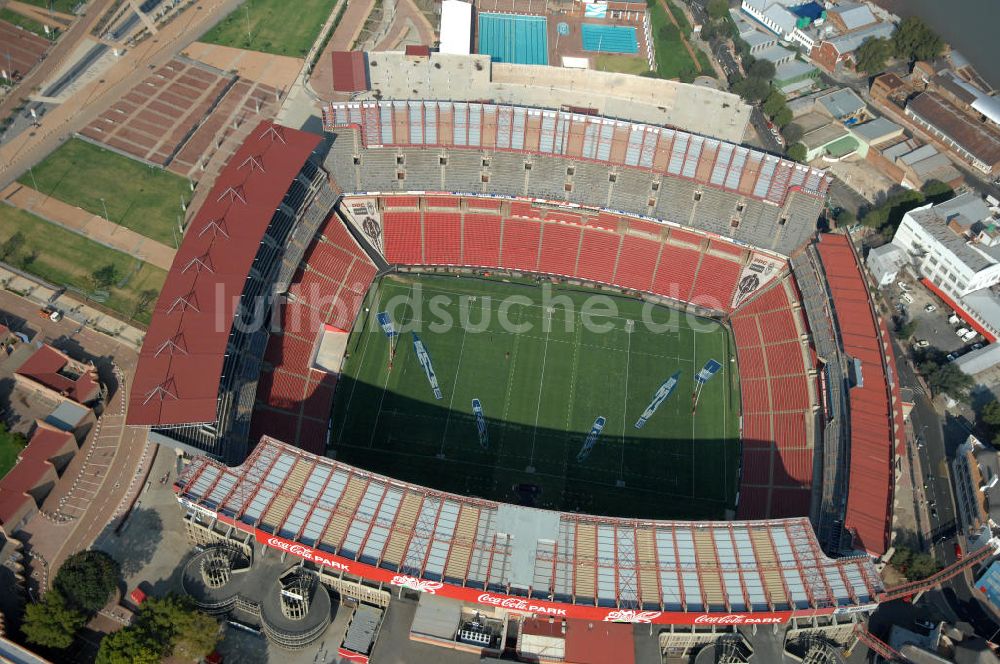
(428, 183)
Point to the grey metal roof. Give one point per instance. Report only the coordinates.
(876, 130)
(361, 632)
(842, 103)
(921, 153)
(849, 42)
(966, 209)
(980, 360)
(854, 15)
(792, 69)
(775, 54)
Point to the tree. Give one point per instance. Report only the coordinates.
(991, 413)
(782, 117)
(906, 329)
(913, 40)
(11, 245)
(871, 56)
(51, 622)
(796, 152)
(887, 215)
(87, 579)
(792, 133)
(946, 378)
(146, 298)
(914, 565)
(775, 102)
(104, 277)
(761, 69)
(164, 626)
(130, 645)
(718, 9)
(937, 191)
(845, 218)
(751, 89)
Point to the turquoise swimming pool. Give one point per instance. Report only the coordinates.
(609, 38)
(515, 38)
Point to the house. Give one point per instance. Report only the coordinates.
(54, 376)
(890, 88)
(839, 50)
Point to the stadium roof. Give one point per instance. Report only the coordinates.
(873, 438)
(569, 565)
(180, 365)
(576, 136)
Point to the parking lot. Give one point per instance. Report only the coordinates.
(931, 326)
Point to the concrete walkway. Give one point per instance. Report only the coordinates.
(89, 225)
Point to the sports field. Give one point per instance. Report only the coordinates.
(544, 362)
(144, 198)
(272, 26)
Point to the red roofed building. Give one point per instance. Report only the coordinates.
(54, 375)
(197, 367)
(874, 403)
(599, 642)
(26, 485)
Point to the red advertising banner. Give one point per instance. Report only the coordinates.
(521, 604)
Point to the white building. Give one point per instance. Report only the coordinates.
(955, 245)
(778, 17)
(456, 27)
(885, 262)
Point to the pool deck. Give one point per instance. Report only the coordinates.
(571, 14)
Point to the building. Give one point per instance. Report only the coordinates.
(885, 262)
(795, 77)
(790, 20)
(196, 378)
(888, 88)
(955, 245)
(456, 27)
(979, 360)
(845, 105)
(973, 140)
(57, 378)
(911, 163)
(38, 467)
(850, 16)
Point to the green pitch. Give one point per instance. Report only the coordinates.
(545, 367)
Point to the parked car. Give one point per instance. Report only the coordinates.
(902, 286)
(929, 308)
(906, 297)
(954, 319)
(921, 343)
(951, 357)
(962, 331)
(976, 346)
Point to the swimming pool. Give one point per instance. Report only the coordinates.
(609, 38)
(516, 38)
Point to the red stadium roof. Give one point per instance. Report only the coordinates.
(869, 497)
(180, 366)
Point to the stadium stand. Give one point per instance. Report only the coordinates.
(670, 262)
(777, 393)
(732, 191)
(294, 398)
(875, 422)
(376, 530)
(195, 379)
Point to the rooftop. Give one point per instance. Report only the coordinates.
(854, 14)
(48, 367)
(180, 365)
(979, 140)
(876, 131)
(842, 103)
(851, 41)
(462, 545)
(964, 210)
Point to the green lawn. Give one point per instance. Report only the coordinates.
(541, 391)
(626, 64)
(28, 24)
(11, 445)
(144, 198)
(67, 259)
(672, 58)
(64, 6)
(276, 26)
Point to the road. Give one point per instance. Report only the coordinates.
(936, 448)
(759, 123)
(25, 120)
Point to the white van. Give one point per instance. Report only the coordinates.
(906, 297)
(970, 336)
(962, 331)
(954, 319)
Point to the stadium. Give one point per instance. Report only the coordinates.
(719, 453)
